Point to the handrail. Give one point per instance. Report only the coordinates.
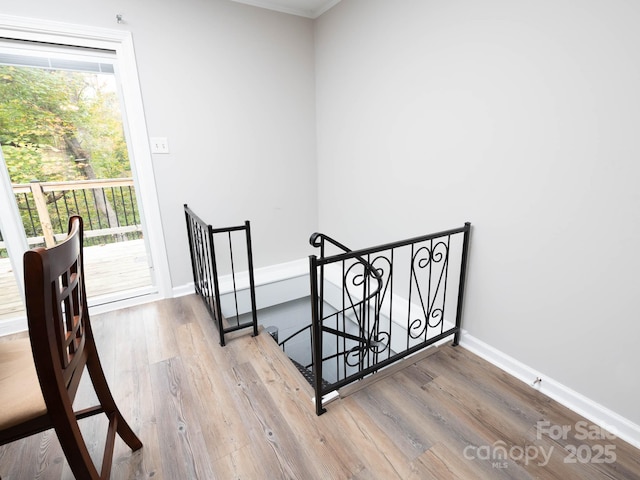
(283, 344)
(74, 184)
(293, 335)
(391, 245)
(317, 240)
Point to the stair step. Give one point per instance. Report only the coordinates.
(308, 374)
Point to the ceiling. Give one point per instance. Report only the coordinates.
(302, 8)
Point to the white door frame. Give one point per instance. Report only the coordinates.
(142, 168)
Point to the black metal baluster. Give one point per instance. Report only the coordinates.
(446, 282)
(216, 286)
(233, 278)
(95, 204)
(133, 206)
(124, 207)
(316, 335)
(252, 283)
(66, 208)
(461, 284)
(61, 228)
(391, 283)
(344, 350)
(86, 205)
(30, 211)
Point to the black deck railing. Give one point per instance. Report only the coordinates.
(387, 303)
(205, 263)
(109, 207)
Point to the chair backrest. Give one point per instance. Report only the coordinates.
(57, 309)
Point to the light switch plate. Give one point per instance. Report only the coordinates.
(159, 145)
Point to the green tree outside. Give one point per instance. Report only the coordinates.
(60, 125)
(45, 115)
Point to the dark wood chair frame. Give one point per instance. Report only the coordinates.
(62, 344)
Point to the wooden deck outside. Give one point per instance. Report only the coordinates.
(109, 268)
(11, 305)
(244, 412)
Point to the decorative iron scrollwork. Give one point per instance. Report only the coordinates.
(377, 345)
(429, 266)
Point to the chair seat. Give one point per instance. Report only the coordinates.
(20, 395)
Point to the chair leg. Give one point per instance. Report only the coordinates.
(108, 403)
(107, 456)
(70, 436)
(74, 448)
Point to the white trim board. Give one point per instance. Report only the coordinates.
(275, 284)
(308, 10)
(13, 325)
(592, 411)
(105, 304)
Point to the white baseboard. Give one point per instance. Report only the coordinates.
(183, 290)
(105, 304)
(275, 284)
(13, 325)
(592, 411)
(102, 304)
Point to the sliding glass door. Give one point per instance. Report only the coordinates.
(65, 152)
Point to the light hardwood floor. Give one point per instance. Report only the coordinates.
(243, 412)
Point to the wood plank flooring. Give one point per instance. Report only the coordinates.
(244, 412)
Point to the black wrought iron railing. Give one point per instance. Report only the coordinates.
(206, 263)
(373, 307)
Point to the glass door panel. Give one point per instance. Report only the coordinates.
(65, 149)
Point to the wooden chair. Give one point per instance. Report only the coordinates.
(39, 376)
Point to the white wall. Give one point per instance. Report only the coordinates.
(523, 118)
(232, 88)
